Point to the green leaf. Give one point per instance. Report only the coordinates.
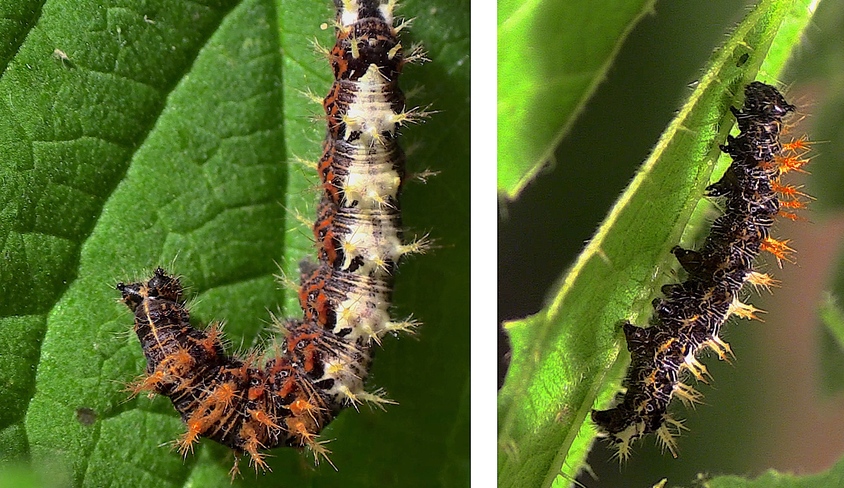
(543, 86)
(567, 357)
(773, 479)
(832, 345)
(20, 476)
(137, 134)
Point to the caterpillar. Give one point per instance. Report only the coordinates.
(688, 317)
(286, 395)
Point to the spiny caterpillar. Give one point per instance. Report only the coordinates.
(287, 394)
(688, 319)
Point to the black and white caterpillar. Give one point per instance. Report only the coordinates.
(689, 316)
(286, 395)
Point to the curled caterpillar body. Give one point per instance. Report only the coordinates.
(689, 316)
(283, 397)
(286, 395)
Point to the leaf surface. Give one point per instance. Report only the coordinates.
(552, 55)
(773, 479)
(171, 133)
